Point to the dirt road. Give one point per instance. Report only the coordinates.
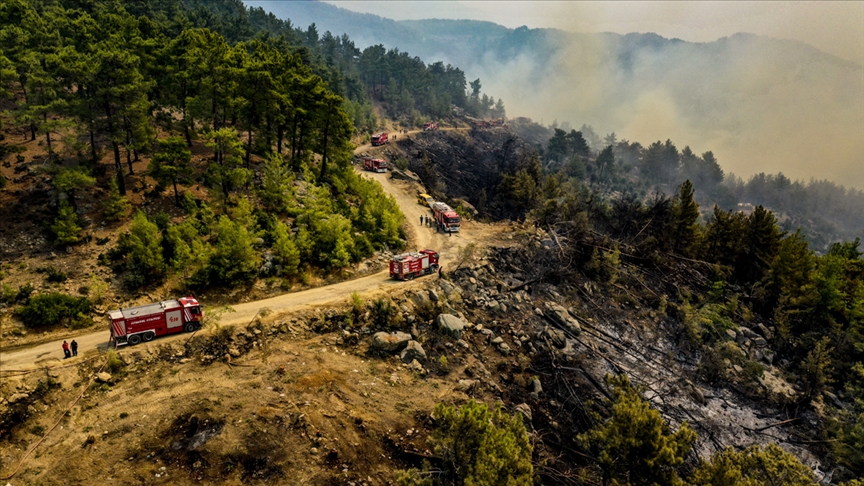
(49, 354)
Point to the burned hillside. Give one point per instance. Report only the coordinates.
(472, 166)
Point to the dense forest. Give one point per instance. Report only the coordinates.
(275, 107)
(826, 212)
(97, 78)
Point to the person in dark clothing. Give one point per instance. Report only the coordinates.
(421, 220)
(440, 273)
(74, 347)
(66, 353)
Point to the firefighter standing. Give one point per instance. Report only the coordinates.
(66, 353)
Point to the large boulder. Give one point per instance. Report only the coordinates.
(413, 351)
(390, 342)
(563, 319)
(450, 325)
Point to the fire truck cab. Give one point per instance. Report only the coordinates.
(380, 139)
(446, 219)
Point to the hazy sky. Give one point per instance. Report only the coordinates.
(834, 27)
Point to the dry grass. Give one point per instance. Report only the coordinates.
(260, 421)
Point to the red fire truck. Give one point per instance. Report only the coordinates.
(374, 165)
(430, 126)
(144, 322)
(379, 139)
(446, 219)
(409, 265)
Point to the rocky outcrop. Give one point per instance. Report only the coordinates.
(450, 325)
(389, 342)
(562, 318)
(413, 351)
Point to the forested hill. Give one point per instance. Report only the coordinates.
(760, 104)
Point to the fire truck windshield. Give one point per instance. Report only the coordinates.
(195, 310)
(452, 220)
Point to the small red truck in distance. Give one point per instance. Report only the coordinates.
(144, 322)
(409, 265)
(374, 165)
(446, 219)
(379, 139)
(430, 126)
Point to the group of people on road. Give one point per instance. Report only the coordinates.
(428, 221)
(70, 350)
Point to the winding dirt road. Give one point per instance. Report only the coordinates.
(49, 354)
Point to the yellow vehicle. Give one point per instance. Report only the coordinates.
(424, 199)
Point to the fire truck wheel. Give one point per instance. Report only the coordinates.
(190, 327)
(148, 336)
(410, 276)
(134, 339)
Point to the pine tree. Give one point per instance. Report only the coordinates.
(478, 446)
(635, 446)
(190, 253)
(285, 249)
(754, 466)
(685, 217)
(65, 226)
(235, 260)
(145, 262)
(68, 181)
(171, 164)
(116, 207)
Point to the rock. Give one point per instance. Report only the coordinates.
(433, 296)
(447, 287)
(524, 410)
(504, 349)
(450, 325)
(420, 298)
(103, 377)
(17, 397)
(233, 351)
(731, 334)
(416, 366)
(498, 340)
(764, 331)
(536, 387)
(561, 317)
(463, 344)
(740, 338)
(557, 337)
(466, 385)
(413, 352)
(390, 342)
(760, 342)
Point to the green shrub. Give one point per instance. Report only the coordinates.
(114, 364)
(54, 275)
(477, 446)
(51, 309)
(81, 321)
(24, 292)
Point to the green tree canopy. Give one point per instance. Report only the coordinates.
(635, 446)
(171, 164)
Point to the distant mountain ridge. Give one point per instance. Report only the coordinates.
(761, 104)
